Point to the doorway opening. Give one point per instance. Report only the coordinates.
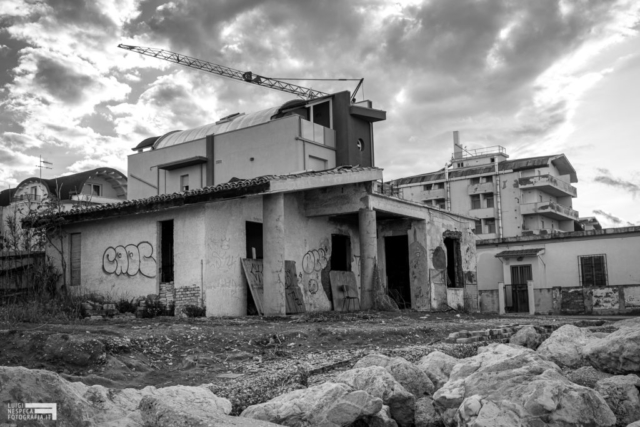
(454, 263)
(396, 252)
(166, 251)
(254, 240)
(519, 301)
(340, 252)
(254, 243)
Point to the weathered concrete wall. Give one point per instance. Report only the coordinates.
(543, 300)
(455, 298)
(121, 257)
(488, 301)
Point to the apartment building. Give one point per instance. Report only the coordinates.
(508, 198)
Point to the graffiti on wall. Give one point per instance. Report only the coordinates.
(313, 262)
(130, 260)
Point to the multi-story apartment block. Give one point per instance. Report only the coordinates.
(507, 197)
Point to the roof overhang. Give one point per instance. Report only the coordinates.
(564, 167)
(368, 114)
(520, 253)
(178, 164)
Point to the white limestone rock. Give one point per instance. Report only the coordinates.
(528, 337)
(618, 353)
(437, 366)
(512, 385)
(566, 346)
(378, 382)
(426, 413)
(621, 392)
(326, 405)
(406, 373)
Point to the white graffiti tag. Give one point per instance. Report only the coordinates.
(130, 260)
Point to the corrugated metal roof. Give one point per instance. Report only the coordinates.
(516, 253)
(201, 132)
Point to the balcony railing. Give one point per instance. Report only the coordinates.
(549, 209)
(549, 184)
(317, 133)
(496, 149)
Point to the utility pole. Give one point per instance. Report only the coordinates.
(42, 165)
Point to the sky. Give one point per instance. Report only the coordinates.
(536, 77)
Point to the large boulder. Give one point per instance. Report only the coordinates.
(622, 394)
(528, 337)
(510, 385)
(587, 376)
(617, 353)
(79, 404)
(566, 346)
(381, 419)
(378, 382)
(426, 413)
(406, 373)
(437, 366)
(327, 405)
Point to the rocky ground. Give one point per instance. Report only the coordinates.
(359, 369)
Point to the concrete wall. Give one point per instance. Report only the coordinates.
(136, 237)
(143, 166)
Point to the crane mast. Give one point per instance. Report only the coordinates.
(245, 76)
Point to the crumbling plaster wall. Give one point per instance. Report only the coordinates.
(121, 256)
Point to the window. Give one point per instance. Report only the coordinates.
(493, 160)
(488, 179)
(184, 183)
(96, 190)
(427, 187)
(460, 165)
(542, 224)
(593, 270)
(478, 228)
(475, 181)
(475, 201)
(438, 186)
(490, 223)
(540, 195)
(489, 199)
(440, 203)
(76, 252)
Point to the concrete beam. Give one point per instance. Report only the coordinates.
(338, 200)
(274, 301)
(329, 179)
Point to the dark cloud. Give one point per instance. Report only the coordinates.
(61, 82)
(627, 186)
(612, 218)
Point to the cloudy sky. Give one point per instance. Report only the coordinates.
(537, 77)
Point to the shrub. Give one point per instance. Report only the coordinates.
(126, 306)
(194, 311)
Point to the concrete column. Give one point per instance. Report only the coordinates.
(532, 301)
(368, 253)
(274, 300)
(501, 309)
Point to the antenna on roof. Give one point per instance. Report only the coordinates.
(42, 165)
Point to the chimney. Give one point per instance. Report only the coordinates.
(457, 148)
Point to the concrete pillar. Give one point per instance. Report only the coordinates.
(274, 300)
(501, 309)
(368, 253)
(532, 301)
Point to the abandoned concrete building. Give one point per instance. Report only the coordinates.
(93, 187)
(265, 210)
(506, 197)
(593, 271)
(303, 242)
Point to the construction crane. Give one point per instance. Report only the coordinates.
(245, 76)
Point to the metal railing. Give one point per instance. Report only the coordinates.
(495, 149)
(317, 133)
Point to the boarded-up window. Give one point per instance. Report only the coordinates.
(76, 250)
(593, 270)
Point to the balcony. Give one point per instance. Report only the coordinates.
(483, 213)
(87, 198)
(549, 209)
(485, 187)
(549, 184)
(433, 194)
(316, 133)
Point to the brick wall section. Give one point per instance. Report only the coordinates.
(187, 295)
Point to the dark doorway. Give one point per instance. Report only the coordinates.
(166, 251)
(254, 240)
(340, 253)
(454, 263)
(396, 251)
(519, 293)
(254, 244)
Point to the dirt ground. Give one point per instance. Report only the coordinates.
(167, 351)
